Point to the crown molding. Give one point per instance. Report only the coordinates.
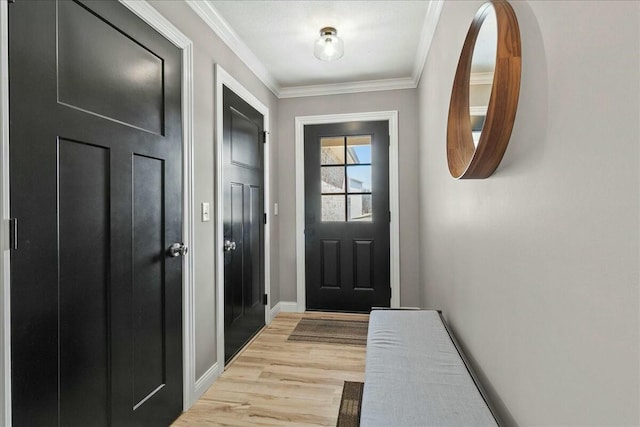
(210, 15)
(155, 19)
(431, 20)
(481, 78)
(350, 87)
(480, 110)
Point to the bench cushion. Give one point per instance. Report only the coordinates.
(414, 375)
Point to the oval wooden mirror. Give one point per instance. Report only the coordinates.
(485, 93)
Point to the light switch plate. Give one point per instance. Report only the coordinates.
(205, 212)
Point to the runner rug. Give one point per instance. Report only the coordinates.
(351, 332)
(350, 405)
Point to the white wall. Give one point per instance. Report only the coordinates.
(405, 102)
(536, 268)
(208, 50)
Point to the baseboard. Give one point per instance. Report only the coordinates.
(275, 310)
(284, 307)
(288, 306)
(204, 382)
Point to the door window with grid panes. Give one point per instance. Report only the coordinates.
(345, 172)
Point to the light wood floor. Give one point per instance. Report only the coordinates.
(275, 382)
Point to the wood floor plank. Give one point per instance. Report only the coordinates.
(275, 382)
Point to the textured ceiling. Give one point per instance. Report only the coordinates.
(381, 37)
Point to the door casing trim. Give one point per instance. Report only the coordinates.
(5, 294)
(224, 78)
(153, 18)
(394, 200)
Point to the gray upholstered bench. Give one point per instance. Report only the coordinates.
(416, 375)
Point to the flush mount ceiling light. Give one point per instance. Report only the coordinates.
(329, 46)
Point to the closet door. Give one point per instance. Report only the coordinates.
(96, 179)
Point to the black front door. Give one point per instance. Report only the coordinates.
(96, 179)
(243, 201)
(347, 216)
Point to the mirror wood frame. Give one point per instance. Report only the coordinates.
(466, 161)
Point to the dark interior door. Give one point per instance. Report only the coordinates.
(243, 201)
(347, 216)
(96, 178)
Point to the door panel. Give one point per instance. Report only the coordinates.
(347, 216)
(236, 263)
(363, 264)
(96, 185)
(103, 71)
(148, 281)
(254, 246)
(83, 286)
(330, 262)
(243, 224)
(245, 148)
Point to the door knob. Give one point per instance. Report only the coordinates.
(229, 246)
(178, 249)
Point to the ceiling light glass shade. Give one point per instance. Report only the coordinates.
(329, 46)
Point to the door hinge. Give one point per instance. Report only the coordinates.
(265, 299)
(264, 136)
(11, 1)
(389, 216)
(265, 219)
(13, 233)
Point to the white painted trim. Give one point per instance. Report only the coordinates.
(224, 78)
(480, 110)
(481, 78)
(275, 310)
(288, 306)
(157, 21)
(210, 15)
(394, 197)
(206, 380)
(284, 307)
(5, 264)
(429, 26)
(351, 87)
